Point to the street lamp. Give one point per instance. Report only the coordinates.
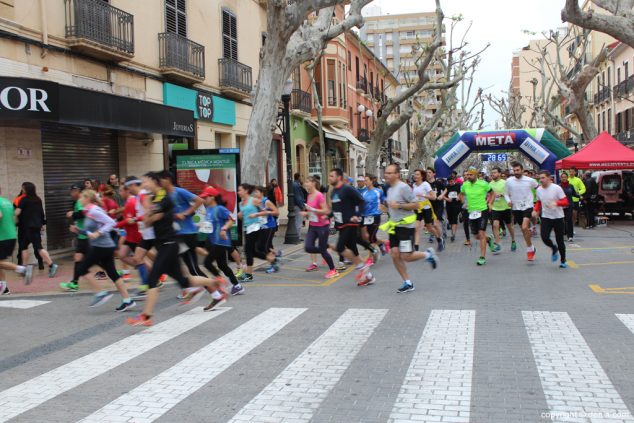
(284, 123)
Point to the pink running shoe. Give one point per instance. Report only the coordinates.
(331, 274)
(312, 268)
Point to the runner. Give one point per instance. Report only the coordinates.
(31, 219)
(402, 204)
(267, 214)
(218, 223)
(570, 192)
(76, 215)
(97, 227)
(519, 196)
(128, 224)
(551, 201)
(465, 214)
(317, 212)
(160, 217)
(373, 198)
(501, 212)
(438, 204)
(454, 207)
(252, 224)
(479, 197)
(347, 204)
(580, 188)
(424, 193)
(8, 235)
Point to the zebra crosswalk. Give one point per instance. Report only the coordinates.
(435, 385)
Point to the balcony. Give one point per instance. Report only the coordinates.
(100, 30)
(626, 137)
(301, 102)
(235, 79)
(180, 58)
(377, 93)
(624, 88)
(362, 84)
(603, 94)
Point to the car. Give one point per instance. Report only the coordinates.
(616, 191)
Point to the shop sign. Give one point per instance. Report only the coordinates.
(28, 99)
(205, 106)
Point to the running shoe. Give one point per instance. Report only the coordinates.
(491, 243)
(563, 265)
(278, 253)
(496, 248)
(432, 258)
(431, 239)
(101, 276)
(383, 250)
(341, 266)
(52, 270)
(368, 280)
(376, 255)
(124, 306)
(312, 268)
(163, 278)
(331, 274)
(239, 272)
(387, 245)
(530, 255)
(481, 261)
(71, 286)
(3, 286)
(28, 275)
(513, 246)
(406, 287)
(441, 244)
(453, 238)
(571, 240)
(140, 320)
(246, 278)
(5, 290)
(554, 256)
(100, 299)
(192, 296)
(126, 277)
(237, 289)
(369, 262)
(215, 303)
(274, 268)
(467, 243)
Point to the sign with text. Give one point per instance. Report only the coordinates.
(501, 157)
(205, 106)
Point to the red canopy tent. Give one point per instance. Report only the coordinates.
(604, 152)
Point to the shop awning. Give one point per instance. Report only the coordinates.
(353, 140)
(329, 132)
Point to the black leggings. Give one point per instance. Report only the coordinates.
(362, 242)
(319, 233)
(570, 230)
(189, 257)
(465, 223)
(102, 257)
(255, 245)
(219, 253)
(348, 239)
(558, 225)
(167, 262)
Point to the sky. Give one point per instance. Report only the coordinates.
(499, 22)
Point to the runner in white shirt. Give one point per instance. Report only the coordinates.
(551, 201)
(423, 191)
(519, 194)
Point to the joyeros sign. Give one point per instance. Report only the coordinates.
(28, 98)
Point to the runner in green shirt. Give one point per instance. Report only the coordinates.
(580, 187)
(479, 198)
(501, 212)
(8, 236)
(81, 242)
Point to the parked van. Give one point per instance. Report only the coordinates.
(616, 190)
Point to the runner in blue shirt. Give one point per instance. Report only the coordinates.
(373, 198)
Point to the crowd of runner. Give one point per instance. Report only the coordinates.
(149, 225)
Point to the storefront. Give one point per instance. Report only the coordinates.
(56, 135)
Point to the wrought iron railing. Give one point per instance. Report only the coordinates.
(602, 95)
(626, 137)
(97, 21)
(624, 87)
(234, 74)
(178, 52)
(362, 84)
(301, 100)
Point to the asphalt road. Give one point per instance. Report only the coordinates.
(510, 341)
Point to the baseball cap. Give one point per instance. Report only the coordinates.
(75, 186)
(209, 192)
(360, 179)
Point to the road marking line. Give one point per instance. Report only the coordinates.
(629, 290)
(572, 264)
(623, 247)
(346, 272)
(440, 372)
(160, 394)
(607, 263)
(276, 276)
(573, 381)
(23, 304)
(628, 321)
(297, 392)
(32, 393)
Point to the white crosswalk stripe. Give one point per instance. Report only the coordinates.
(157, 396)
(438, 382)
(628, 321)
(25, 396)
(23, 304)
(297, 392)
(573, 381)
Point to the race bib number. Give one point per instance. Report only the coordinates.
(338, 217)
(523, 205)
(206, 228)
(312, 217)
(368, 220)
(475, 215)
(262, 220)
(453, 195)
(405, 246)
(254, 227)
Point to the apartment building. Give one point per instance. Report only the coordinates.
(93, 87)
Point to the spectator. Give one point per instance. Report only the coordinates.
(300, 201)
(590, 199)
(274, 193)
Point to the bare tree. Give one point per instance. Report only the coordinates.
(293, 38)
(510, 109)
(620, 24)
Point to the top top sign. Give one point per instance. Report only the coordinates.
(205, 106)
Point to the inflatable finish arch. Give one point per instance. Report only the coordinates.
(523, 140)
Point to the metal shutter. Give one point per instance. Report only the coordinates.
(70, 154)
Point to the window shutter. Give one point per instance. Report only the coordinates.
(182, 24)
(170, 17)
(176, 17)
(229, 35)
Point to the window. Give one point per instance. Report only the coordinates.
(609, 78)
(627, 69)
(229, 35)
(175, 17)
(356, 62)
(370, 38)
(618, 75)
(406, 49)
(603, 120)
(388, 36)
(611, 183)
(349, 60)
(389, 50)
(609, 121)
(332, 93)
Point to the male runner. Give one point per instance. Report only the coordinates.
(519, 196)
(8, 236)
(453, 205)
(580, 187)
(479, 198)
(402, 205)
(551, 201)
(438, 204)
(501, 212)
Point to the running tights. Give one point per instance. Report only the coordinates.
(255, 245)
(558, 225)
(219, 253)
(319, 233)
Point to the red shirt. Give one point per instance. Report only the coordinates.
(132, 233)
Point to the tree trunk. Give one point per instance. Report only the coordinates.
(587, 123)
(372, 159)
(619, 26)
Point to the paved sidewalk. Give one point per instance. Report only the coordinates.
(42, 284)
